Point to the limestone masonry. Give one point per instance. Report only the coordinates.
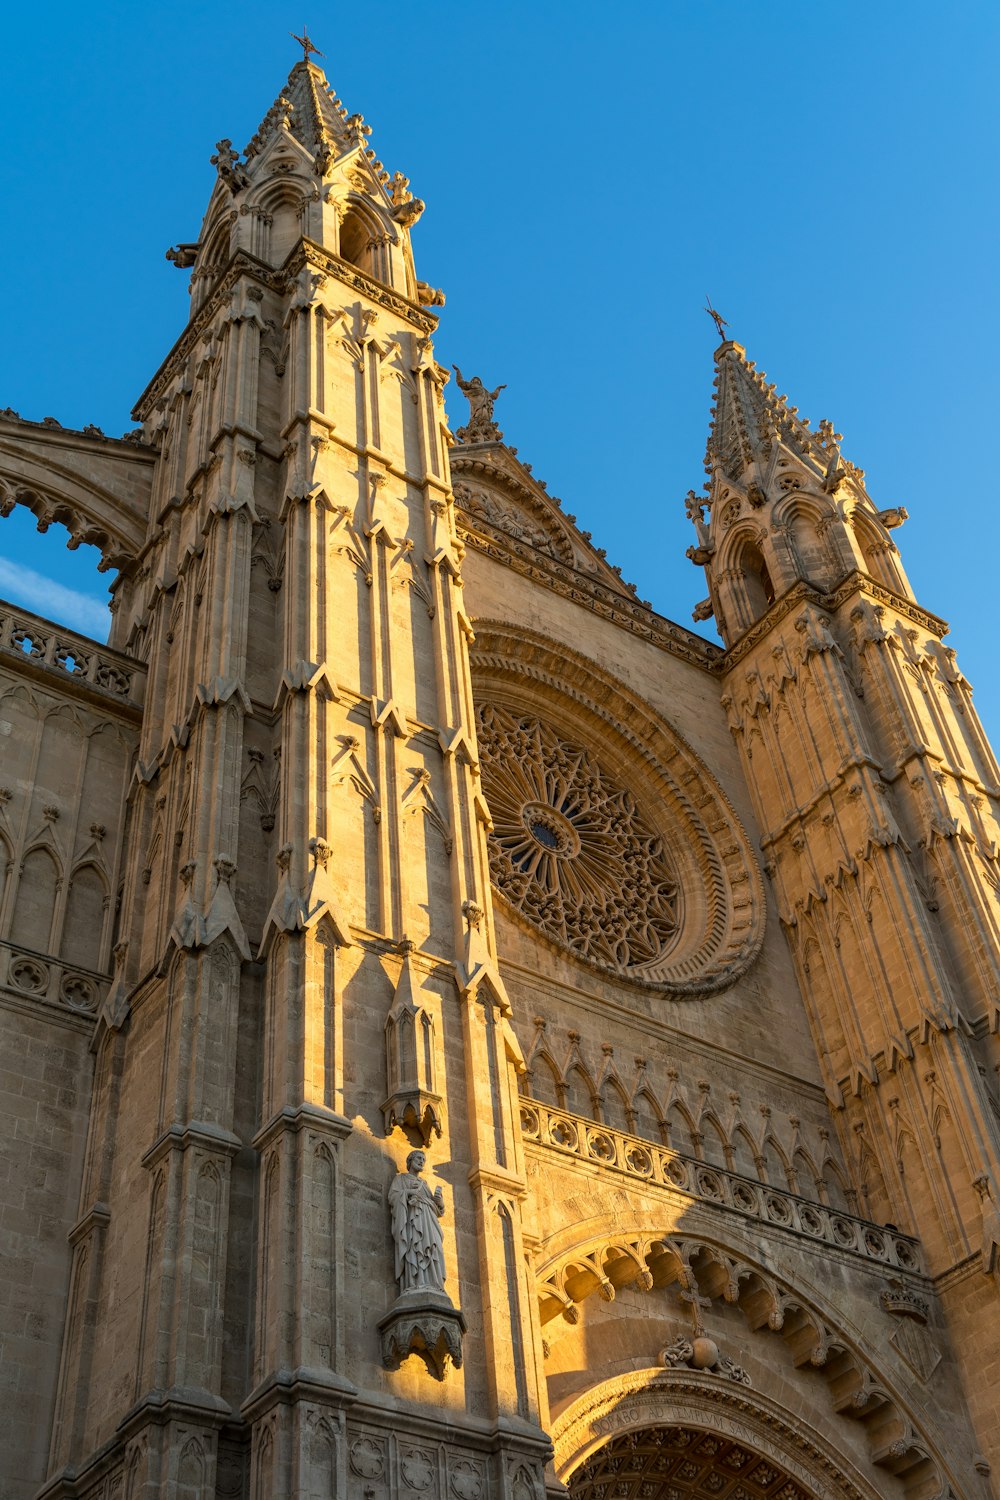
(465, 1037)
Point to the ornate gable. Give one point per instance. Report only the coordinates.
(497, 495)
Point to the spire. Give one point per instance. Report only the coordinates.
(783, 506)
(316, 118)
(749, 417)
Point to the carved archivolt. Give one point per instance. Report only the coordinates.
(857, 1389)
(643, 870)
(680, 1429)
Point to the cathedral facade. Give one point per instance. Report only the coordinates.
(466, 1037)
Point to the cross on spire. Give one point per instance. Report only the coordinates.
(717, 318)
(306, 44)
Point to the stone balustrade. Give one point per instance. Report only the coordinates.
(39, 977)
(586, 1140)
(70, 655)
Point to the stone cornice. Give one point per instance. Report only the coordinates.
(598, 598)
(242, 263)
(105, 679)
(129, 448)
(576, 1141)
(804, 593)
(308, 253)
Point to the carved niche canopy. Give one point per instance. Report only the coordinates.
(610, 836)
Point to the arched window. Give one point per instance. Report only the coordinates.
(811, 549)
(758, 590)
(357, 243)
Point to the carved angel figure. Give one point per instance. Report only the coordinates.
(415, 1212)
(481, 425)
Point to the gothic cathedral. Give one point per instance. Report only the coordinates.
(466, 1037)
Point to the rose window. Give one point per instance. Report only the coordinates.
(570, 849)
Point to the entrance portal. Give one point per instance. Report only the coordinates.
(680, 1463)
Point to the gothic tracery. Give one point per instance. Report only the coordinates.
(571, 849)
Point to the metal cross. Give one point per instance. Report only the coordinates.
(305, 43)
(718, 319)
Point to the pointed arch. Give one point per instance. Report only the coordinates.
(681, 1129)
(38, 882)
(805, 520)
(775, 1164)
(85, 924)
(743, 566)
(647, 1116)
(614, 1106)
(807, 1178)
(744, 1152)
(834, 1189)
(362, 232)
(580, 1092)
(878, 552)
(545, 1080)
(715, 1143)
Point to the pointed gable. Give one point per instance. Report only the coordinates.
(498, 494)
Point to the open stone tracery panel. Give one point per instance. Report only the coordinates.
(610, 837)
(571, 849)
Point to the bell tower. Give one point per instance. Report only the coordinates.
(305, 987)
(876, 793)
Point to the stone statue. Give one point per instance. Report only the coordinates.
(415, 1212)
(481, 427)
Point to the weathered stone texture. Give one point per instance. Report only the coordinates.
(677, 963)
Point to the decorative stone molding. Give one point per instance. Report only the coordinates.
(413, 1103)
(38, 644)
(574, 1137)
(425, 1323)
(902, 1300)
(702, 1353)
(570, 849)
(35, 977)
(720, 920)
(692, 1403)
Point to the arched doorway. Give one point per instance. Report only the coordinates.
(681, 1463)
(660, 1434)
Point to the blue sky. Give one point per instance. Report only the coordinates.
(826, 172)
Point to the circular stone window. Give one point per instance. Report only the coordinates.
(571, 850)
(611, 837)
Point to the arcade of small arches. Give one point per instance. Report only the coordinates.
(629, 1405)
(697, 1129)
(754, 563)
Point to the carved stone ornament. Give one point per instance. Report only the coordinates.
(480, 427)
(643, 870)
(423, 1320)
(900, 1299)
(570, 849)
(702, 1353)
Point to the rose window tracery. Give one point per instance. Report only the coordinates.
(571, 849)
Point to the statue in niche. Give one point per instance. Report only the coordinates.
(481, 427)
(416, 1230)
